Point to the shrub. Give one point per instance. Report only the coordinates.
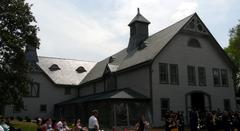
(19, 118)
(12, 118)
(27, 119)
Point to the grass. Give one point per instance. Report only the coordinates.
(24, 126)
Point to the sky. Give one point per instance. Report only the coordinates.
(95, 29)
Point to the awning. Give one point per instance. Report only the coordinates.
(123, 94)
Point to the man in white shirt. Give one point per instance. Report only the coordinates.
(93, 122)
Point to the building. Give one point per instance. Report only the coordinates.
(53, 80)
(179, 68)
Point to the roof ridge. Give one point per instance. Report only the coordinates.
(66, 59)
(172, 24)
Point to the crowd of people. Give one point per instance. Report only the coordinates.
(52, 125)
(174, 121)
(212, 121)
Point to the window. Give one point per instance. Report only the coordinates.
(216, 77)
(191, 75)
(202, 76)
(54, 67)
(33, 90)
(194, 43)
(164, 107)
(163, 73)
(67, 91)
(224, 77)
(43, 108)
(81, 69)
(174, 74)
(227, 106)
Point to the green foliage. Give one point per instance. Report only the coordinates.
(17, 30)
(233, 50)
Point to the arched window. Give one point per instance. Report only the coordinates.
(54, 67)
(81, 69)
(194, 43)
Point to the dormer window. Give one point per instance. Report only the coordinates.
(111, 59)
(54, 67)
(81, 69)
(194, 43)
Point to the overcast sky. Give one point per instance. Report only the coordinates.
(95, 29)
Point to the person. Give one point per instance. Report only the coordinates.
(47, 126)
(93, 124)
(180, 121)
(194, 120)
(62, 125)
(65, 126)
(142, 124)
(167, 121)
(77, 125)
(39, 124)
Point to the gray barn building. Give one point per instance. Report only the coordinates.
(178, 68)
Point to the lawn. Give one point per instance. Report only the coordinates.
(24, 126)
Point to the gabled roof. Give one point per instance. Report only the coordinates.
(153, 45)
(127, 94)
(66, 74)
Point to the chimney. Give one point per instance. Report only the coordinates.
(138, 31)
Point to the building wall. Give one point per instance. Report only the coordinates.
(50, 94)
(137, 80)
(99, 86)
(92, 88)
(86, 90)
(177, 52)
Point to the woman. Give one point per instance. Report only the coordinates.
(77, 125)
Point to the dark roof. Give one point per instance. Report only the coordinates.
(127, 94)
(139, 18)
(66, 74)
(97, 71)
(154, 44)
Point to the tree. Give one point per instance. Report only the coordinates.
(17, 31)
(233, 51)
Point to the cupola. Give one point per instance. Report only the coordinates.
(31, 54)
(138, 31)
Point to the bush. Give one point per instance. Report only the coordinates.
(11, 118)
(19, 118)
(27, 119)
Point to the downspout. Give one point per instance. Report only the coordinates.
(151, 90)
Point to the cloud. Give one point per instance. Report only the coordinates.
(184, 9)
(93, 30)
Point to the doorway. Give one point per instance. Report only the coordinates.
(197, 101)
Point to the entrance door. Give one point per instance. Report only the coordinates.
(197, 101)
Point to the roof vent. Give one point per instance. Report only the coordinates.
(54, 67)
(81, 69)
